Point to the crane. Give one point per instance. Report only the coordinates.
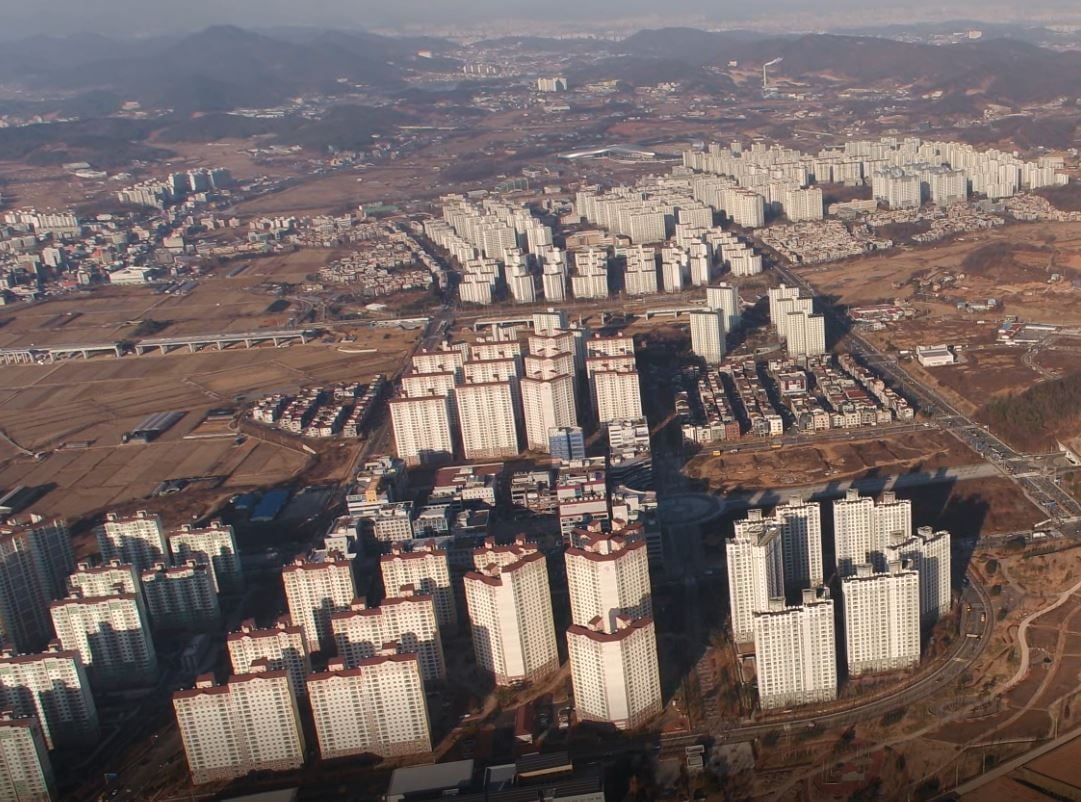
(765, 77)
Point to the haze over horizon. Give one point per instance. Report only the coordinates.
(121, 18)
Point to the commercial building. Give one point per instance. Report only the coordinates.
(181, 597)
(249, 724)
(213, 545)
(137, 539)
(407, 620)
(281, 647)
(755, 573)
(422, 433)
(882, 619)
(26, 775)
(426, 570)
(510, 613)
(111, 635)
(313, 591)
(615, 673)
(796, 652)
(53, 687)
(377, 706)
(928, 553)
(708, 335)
(35, 561)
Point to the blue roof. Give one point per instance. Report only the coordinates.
(270, 505)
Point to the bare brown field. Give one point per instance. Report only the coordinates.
(93, 402)
(1014, 264)
(984, 374)
(811, 464)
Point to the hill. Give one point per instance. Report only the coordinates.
(222, 67)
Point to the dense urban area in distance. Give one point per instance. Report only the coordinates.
(610, 415)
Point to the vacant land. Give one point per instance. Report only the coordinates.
(794, 466)
(74, 412)
(1013, 265)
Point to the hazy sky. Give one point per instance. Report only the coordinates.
(128, 17)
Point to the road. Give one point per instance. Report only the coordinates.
(1023, 469)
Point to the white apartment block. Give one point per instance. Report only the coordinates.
(375, 707)
(137, 539)
(882, 619)
(803, 204)
(441, 361)
(724, 298)
(796, 652)
(806, 334)
(801, 542)
(213, 545)
(249, 724)
(615, 674)
(896, 188)
(35, 561)
(281, 647)
(862, 529)
(755, 573)
(53, 687)
(617, 395)
(103, 580)
(422, 432)
(426, 570)
(181, 597)
(111, 635)
(547, 403)
(708, 335)
(26, 775)
(315, 590)
(928, 553)
(510, 613)
(608, 577)
(487, 419)
(407, 620)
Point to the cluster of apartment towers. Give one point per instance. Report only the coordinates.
(383, 664)
(373, 696)
(894, 583)
(95, 626)
(492, 400)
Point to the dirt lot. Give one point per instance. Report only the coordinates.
(91, 403)
(810, 464)
(1011, 264)
(986, 373)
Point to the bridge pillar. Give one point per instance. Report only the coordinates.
(247, 342)
(218, 344)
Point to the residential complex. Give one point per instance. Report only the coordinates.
(795, 651)
(615, 673)
(423, 568)
(408, 620)
(510, 613)
(213, 545)
(26, 774)
(755, 573)
(314, 590)
(250, 723)
(35, 561)
(52, 686)
(111, 634)
(377, 706)
(137, 539)
(281, 647)
(882, 619)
